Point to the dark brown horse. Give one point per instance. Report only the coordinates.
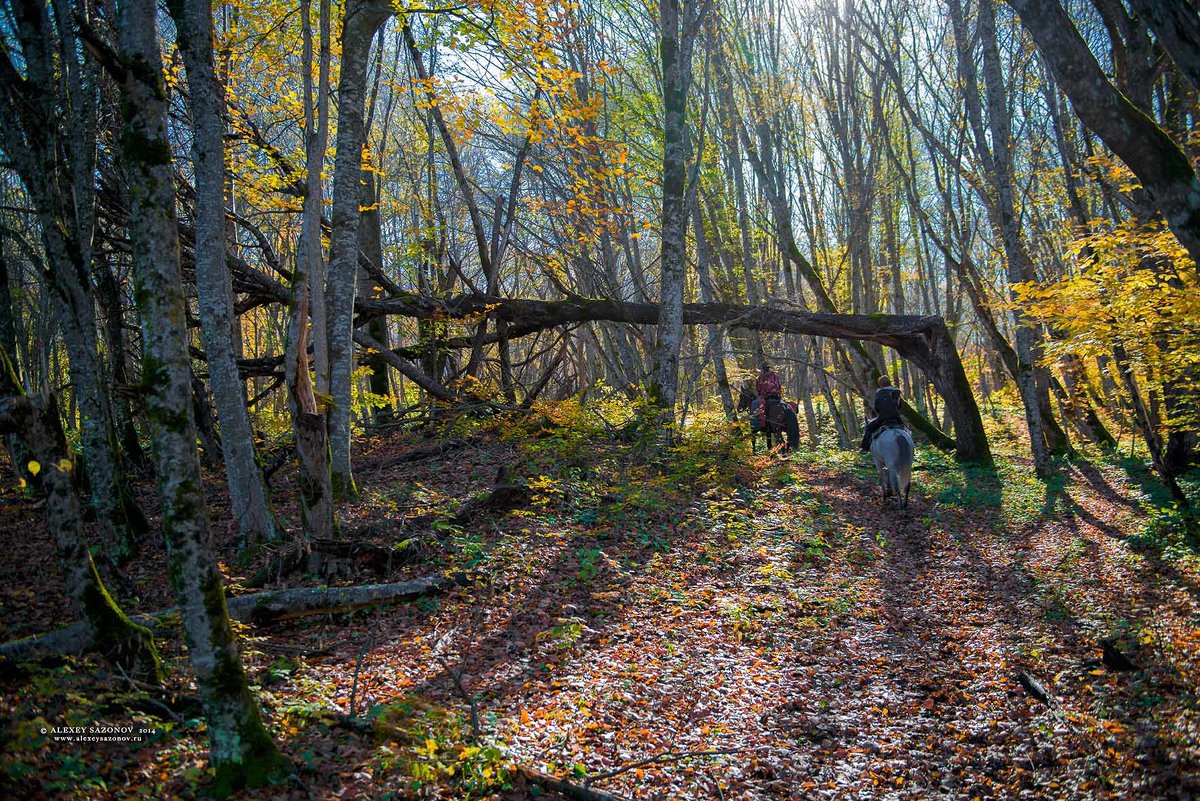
(781, 421)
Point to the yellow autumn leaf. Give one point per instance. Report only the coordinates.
(33, 467)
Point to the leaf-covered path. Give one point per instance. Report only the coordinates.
(792, 637)
(774, 632)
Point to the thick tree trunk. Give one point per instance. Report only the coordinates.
(241, 750)
(1160, 164)
(675, 50)
(248, 498)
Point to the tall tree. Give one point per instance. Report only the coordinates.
(249, 503)
(362, 19)
(242, 752)
(309, 420)
(679, 26)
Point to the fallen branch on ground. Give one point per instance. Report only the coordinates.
(260, 608)
(570, 790)
(426, 451)
(1035, 688)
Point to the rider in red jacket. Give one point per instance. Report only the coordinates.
(769, 387)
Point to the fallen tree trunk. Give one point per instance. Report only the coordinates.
(427, 451)
(260, 608)
(923, 340)
(502, 498)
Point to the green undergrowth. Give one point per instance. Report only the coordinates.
(425, 745)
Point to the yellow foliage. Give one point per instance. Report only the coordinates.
(1136, 287)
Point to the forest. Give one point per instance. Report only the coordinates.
(379, 388)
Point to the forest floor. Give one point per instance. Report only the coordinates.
(700, 625)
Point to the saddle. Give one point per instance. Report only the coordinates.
(887, 425)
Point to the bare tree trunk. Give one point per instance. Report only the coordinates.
(308, 421)
(241, 750)
(675, 50)
(249, 502)
(362, 19)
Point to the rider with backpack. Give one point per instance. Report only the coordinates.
(887, 411)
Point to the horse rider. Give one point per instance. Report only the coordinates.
(769, 388)
(887, 411)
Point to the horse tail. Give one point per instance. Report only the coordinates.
(904, 455)
(791, 427)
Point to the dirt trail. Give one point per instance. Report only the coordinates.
(883, 663)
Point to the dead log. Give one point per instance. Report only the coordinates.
(502, 498)
(1035, 688)
(574, 791)
(316, 556)
(427, 451)
(260, 608)
(269, 607)
(328, 556)
(923, 340)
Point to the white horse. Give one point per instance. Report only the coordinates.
(893, 451)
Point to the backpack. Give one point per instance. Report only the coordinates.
(887, 403)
